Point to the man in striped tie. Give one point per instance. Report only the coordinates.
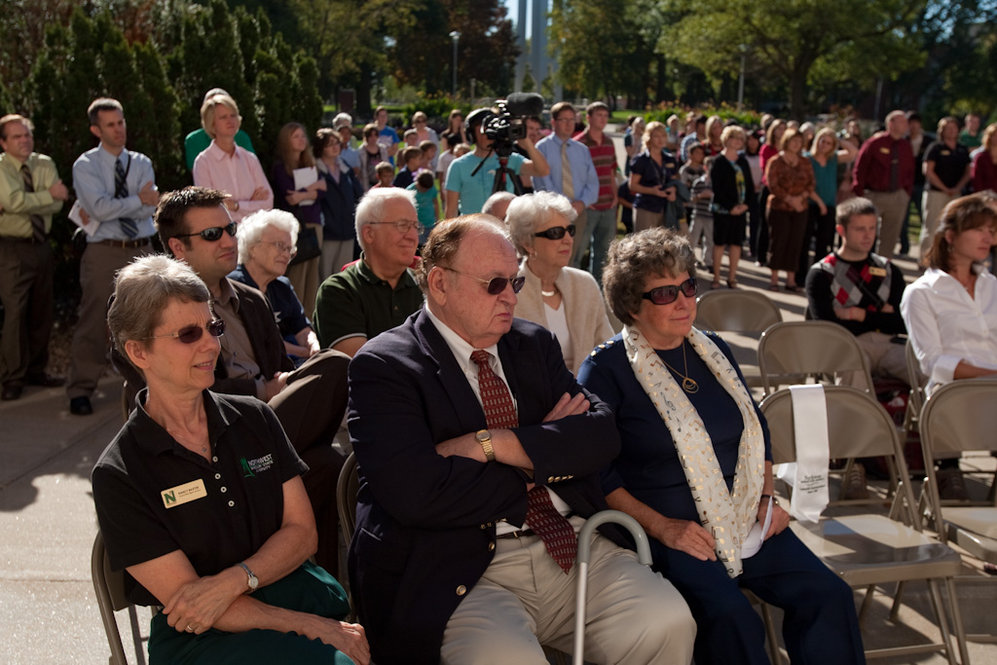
(30, 192)
(479, 457)
(116, 188)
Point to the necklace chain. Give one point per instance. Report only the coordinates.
(688, 383)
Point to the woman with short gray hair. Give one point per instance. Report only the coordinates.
(564, 300)
(266, 245)
(199, 497)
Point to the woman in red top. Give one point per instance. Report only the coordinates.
(985, 161)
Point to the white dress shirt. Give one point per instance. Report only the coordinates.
(946, 325)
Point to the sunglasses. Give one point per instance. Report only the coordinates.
(193, 334)
(212, 234)
(496, 285)
(556, 232)
(666, 295)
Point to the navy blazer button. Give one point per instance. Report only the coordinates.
(491, 546)
(461, 590)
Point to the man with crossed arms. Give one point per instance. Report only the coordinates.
(479, 457)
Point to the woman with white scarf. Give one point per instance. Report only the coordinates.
(695, 469)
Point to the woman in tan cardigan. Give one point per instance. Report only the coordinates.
(564, 300)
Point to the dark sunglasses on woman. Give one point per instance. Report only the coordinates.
(666, 295)
(193, 334)
(556, 232)
(213, 233)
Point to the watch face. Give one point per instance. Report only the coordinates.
(483, 435)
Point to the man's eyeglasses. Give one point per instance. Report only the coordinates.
(213, 233)
(496, 285)
(403, 225)
(193, 334)
(666, 295)
(281, 247)
(556, 232)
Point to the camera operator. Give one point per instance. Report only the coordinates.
(469, 183)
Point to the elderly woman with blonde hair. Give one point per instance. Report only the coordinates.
(228, 167)
(564, 300)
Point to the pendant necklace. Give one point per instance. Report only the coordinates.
(688, 383)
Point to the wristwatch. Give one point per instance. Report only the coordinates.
(253, 581)
(484, 437)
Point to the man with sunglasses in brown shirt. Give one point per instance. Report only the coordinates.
(310, 401)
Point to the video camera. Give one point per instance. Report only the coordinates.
(509, 124)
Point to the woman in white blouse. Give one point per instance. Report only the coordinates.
(564, 300)
(951, 310)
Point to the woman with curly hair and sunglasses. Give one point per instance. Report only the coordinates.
(687, 420)
(200, 498)
(564, 300)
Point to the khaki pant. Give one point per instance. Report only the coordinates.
(892, 207)
(933, 202)
(523, 600)
(98, 268)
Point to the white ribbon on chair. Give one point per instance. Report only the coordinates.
(808, 475)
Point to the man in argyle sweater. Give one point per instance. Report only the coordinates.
(861, 291)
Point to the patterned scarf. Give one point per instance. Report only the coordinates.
(729, 515)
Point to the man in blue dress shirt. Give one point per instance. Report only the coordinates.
(117, 191)
(572, 173)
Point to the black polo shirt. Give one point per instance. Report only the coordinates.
(154, 496)
(950, 163)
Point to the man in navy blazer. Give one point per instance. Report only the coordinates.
(442, 564)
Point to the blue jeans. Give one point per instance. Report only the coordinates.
(602, 228)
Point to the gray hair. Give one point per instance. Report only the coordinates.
(529, 211)
(143, 289)
(252, 227)
(342, 120)
(494, 200)
(634, 258)
(371, 207)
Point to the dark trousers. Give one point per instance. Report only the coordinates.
(311, 408)
(820, 626)
(26, 294)
(820, 232)
(760, 245)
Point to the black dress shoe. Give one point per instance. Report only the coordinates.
(80, 406)
(45, 380)
(11, 391)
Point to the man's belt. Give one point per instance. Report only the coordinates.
(26, 240)
(125, 244)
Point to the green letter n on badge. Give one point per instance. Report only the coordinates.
(169, 496)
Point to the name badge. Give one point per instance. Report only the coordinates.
(181, 494)
(945, 153)
(885, 151)
(877, 272)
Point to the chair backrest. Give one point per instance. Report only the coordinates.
(858, 426)
(958, 416)
(109, 586)
(793, 350)
(346, 496)
(736, 310)
(916, 401)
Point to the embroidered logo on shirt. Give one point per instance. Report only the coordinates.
(181, 494)
(251, 467)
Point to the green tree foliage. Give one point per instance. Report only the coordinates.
(350, 40)
(790, 39)
(423, 54)
(604, 47)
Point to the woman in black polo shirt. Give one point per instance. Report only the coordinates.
(946, 172)
(200, 500)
